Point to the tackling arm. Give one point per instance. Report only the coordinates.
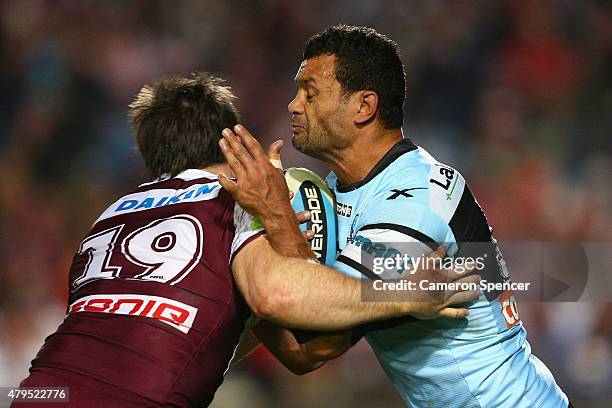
(306, 356)
(303, 294)
(281, 342)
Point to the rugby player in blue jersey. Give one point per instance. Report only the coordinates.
(393, 195)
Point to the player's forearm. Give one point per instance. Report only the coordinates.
(298, 293)
(311, 296)
(285, 236)
(303, 294)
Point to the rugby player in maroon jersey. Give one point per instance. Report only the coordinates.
(163, 285)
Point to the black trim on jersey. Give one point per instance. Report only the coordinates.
(401, 147)
(473, 236)
(469, 223)
(418, 235)
(358, 267)
(359, 331)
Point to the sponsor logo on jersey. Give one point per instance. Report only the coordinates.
(449, 181)
(176, 314)
(509, 309)
(150, 202)
(345, 210)
(161, 197)
(403, 192)
(376, 249)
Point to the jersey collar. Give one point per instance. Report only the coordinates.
(398, 149)
(189, 174)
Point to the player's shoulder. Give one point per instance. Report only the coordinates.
(417, 178)
(409, 193)
(445, 187)
(406, 177)
(190, 186)
(184, 180)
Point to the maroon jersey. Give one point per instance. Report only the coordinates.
(154, 314)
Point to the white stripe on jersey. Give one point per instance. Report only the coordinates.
(444, 201)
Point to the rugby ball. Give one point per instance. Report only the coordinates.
(311, 194)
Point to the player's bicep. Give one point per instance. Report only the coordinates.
(249, 267)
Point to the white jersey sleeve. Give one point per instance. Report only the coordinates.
(247, 227)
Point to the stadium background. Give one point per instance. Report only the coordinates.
(524, 86)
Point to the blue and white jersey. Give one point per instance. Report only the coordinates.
(483, 360)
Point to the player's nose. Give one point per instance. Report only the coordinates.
(296, 106)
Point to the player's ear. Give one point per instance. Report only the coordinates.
(368, 104)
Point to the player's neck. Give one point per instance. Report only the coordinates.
(355, 162)
(219, 168)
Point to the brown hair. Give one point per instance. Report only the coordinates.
(177, 122)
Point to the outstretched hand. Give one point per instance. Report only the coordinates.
(259, 187)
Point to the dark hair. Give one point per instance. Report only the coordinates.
(178, 122)
(365, 60)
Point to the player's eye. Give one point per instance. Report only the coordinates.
(309, 98)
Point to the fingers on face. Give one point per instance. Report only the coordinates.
(236, 146)
(231, 159)
(250, 142)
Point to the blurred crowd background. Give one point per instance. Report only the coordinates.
(516, 94)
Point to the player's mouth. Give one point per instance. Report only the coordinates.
(297, 128)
